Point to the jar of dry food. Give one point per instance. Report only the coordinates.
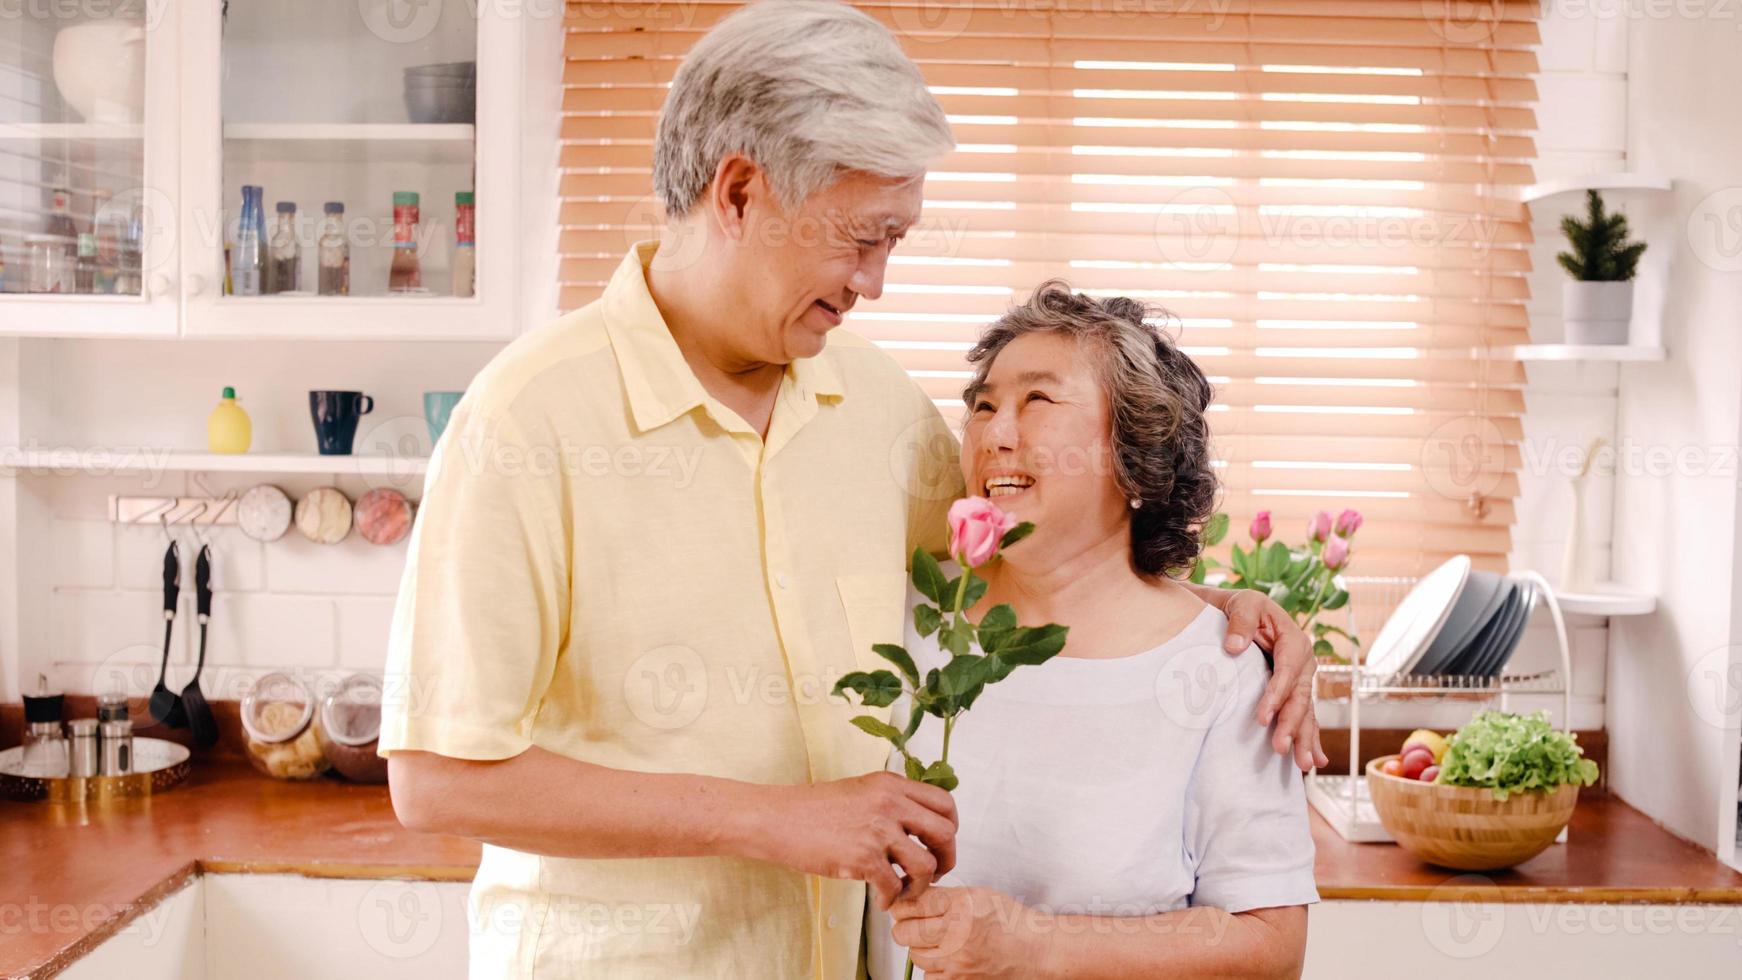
(283, 736)
(349, 723)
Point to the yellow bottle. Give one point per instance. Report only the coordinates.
(227, 428)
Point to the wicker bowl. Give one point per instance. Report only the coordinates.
(1466, 828)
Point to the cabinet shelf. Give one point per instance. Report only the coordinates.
(1582, 352)
(1616, 181)
(72, 131)
(1605, 599)
(350, 142)
(70, 462)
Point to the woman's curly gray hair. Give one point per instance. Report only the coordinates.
(1157, 398)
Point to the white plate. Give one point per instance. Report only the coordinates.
(1419, 618)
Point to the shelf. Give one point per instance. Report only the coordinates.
(1598, 182)
(350, 142)
(1607, 600)
(1582, 352)
(70, 462)
(72, 131)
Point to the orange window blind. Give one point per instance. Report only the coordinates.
(1323, 194)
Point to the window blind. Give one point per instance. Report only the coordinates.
(1323, 195)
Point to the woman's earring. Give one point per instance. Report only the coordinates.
(1136, 502)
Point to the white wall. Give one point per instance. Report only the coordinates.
(1675, 688)
(92, 590)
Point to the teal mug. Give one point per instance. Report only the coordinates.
(437, 406)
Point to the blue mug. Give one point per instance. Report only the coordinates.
(336, 414)
(437, 406)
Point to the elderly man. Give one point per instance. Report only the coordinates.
(606, 657)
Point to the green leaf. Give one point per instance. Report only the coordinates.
(1030, 645)
(1336, 599)
(1198, 572)
(1015, 534)
(956, 640)
(996, 625)
(1323, 648)
(915, 769)
(898, 656)
(926, 619)
(872, 726)
(928, 576)
(940, 774)
(963, 674)
(1215, 529)
(878, 689)
(1238, 561)
(976, 589)
(1275, 561)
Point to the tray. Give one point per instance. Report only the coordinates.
(158, 765)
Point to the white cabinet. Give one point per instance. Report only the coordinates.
(287, 927)
(350, 102)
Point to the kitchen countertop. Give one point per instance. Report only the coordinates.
(74, 877)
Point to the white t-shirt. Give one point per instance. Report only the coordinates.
(1123, 787)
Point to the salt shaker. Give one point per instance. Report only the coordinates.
(117, 748)
(82, 754)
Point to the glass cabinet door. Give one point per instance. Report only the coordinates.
(87, 167)
(342, 170)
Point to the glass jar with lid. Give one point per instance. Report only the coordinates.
(283, 734)
(349, 724)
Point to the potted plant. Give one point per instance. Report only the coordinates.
(1597, 303)
(1306, 581)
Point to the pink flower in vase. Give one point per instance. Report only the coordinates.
(1260, 528)
(1348, 522)
(1319, 527)
(1336, 553)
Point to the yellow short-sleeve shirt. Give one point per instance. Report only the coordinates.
(611, 565)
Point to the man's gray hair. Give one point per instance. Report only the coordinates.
(808, 89)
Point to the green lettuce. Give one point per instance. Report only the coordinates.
(1510, 753)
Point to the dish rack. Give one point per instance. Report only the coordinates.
(1343, 800)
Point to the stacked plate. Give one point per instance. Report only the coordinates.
(1456, 621)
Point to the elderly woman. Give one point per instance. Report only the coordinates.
(1120, 815)
(657, 529)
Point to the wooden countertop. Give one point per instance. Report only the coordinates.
(76, 876)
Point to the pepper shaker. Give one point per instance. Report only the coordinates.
(82, 754)
(117, 746)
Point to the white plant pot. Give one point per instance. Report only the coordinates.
(99, 68)
(1596, 312)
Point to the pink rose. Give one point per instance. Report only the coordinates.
(1261, 526)
(976, 527)
(1348, 522)
(1319, 527)
(1336, 553)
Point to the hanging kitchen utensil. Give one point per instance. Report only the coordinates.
(165, 706)
(199, 713)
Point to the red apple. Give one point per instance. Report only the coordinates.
(1415, 763)
(1430, 774)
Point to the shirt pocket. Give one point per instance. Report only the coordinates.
(875, 608)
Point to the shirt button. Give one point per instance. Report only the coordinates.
(780, 580)
(832, 921)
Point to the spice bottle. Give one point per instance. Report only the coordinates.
(283, 737)
(350, 723)
(404, 275)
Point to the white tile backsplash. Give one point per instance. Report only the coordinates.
(363, 627)
(263, 629)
